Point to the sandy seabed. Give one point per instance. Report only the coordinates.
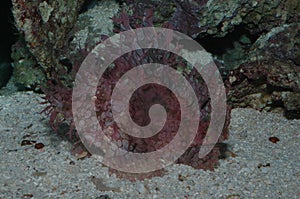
(260, 168)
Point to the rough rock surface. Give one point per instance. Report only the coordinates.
(219, 17)
(45, 26)
(27, 73)
(270, 77)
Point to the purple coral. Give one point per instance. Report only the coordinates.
(60, 98)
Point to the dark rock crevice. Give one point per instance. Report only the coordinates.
(8, 37)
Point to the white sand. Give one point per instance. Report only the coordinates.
(261, 169)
